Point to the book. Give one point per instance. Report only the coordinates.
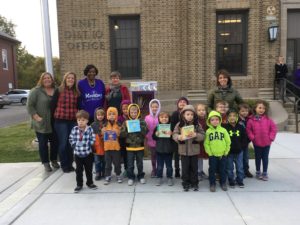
(133, 126)
(185, 131)
(110, 135)
(163, 130)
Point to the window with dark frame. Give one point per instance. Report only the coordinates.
(232, 42)
(125, 46)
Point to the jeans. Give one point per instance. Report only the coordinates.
(138, 156)
(85, 163)
(236, 159)
(164, 158)
(153, 159)
(99, 164)
(246, 159)
(63, 128)
(262, 154)
(189, 165)
(176, 156)
(112, 157)
(217, 165)
(43, 146)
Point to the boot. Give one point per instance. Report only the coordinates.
(177, 173)
(54, 164)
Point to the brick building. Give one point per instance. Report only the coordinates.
(8, 74)
(179, 43)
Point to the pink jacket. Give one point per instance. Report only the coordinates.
(152, 122)
(261, 130)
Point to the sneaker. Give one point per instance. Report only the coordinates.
(186, 188)
(47, 167)
(195, 188)
(170, 182)
(77, 189)
(153, 174)
(55, 165)
(142, 181)
(241, 185)
(158, 181)
(265, 177)
(258, 175)
(224, 187)
(92, 186)
(177, 173)
(107, 180)
(119, 179)
(130, 182)
(248, 174)
(212, 188)
(231, 184)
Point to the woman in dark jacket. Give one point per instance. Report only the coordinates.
(224, 91)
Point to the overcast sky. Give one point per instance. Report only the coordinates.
(26, 15)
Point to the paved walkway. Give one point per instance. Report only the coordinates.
(30, 196)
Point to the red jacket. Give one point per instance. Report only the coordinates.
(124, 92)
(261, 130)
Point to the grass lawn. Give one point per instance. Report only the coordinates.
(15, 144)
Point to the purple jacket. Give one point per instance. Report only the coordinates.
(261, 130)
(152, 121)
(91, 97)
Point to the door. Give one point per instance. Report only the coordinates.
(293, 55)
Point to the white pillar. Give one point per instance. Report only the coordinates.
(47, 36)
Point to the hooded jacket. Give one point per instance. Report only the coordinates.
(112, 126)
(134, 141)
(121, 117)
(97, 126)
(261, 130)
(152, 121)
(191, 146)
(217, 140)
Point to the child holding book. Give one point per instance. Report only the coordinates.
(121, 119)
(81, 139)
(182, 101)
(217, 145)
(238, 138)
(202, 116)
(164, 151)
(134, 131)
(97, 125)
(261, 131)
(111, 133)
(244, 113)
(152, 121)
(188, 134)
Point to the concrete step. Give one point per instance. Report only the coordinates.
(293, 116)
(289, 110)
(196, 91)
(200, 95)
(291, 122)
(290, 128)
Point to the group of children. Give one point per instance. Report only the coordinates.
(222, 137)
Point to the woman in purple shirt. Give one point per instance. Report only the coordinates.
(92, 91)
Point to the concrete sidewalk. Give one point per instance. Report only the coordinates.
(31, 196)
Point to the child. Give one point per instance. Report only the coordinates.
(123, 117)
(261, 131)
(111, 133)
(164, 150)
(134, 145)
(244, 111)
(97, 125)
(182, 101)
(202, 116)
(217, 145)
(188, 147)
(221, 108)
(81, 139)
(238, 137)
(152, 121)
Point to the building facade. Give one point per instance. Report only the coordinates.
(179, 43)
(8, 73)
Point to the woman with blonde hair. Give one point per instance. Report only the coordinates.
(65, 106)
(38, 107)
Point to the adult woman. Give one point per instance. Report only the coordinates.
(38, 107)
(116, 92)
(65, 107)
(281, 71)
(223, 91)
(92, 91)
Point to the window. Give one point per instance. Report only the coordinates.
(4, 59)
(232, 42)
(125, 46)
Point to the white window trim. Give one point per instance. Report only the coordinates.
(4, 59)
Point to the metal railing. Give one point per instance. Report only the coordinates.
(288, 92)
